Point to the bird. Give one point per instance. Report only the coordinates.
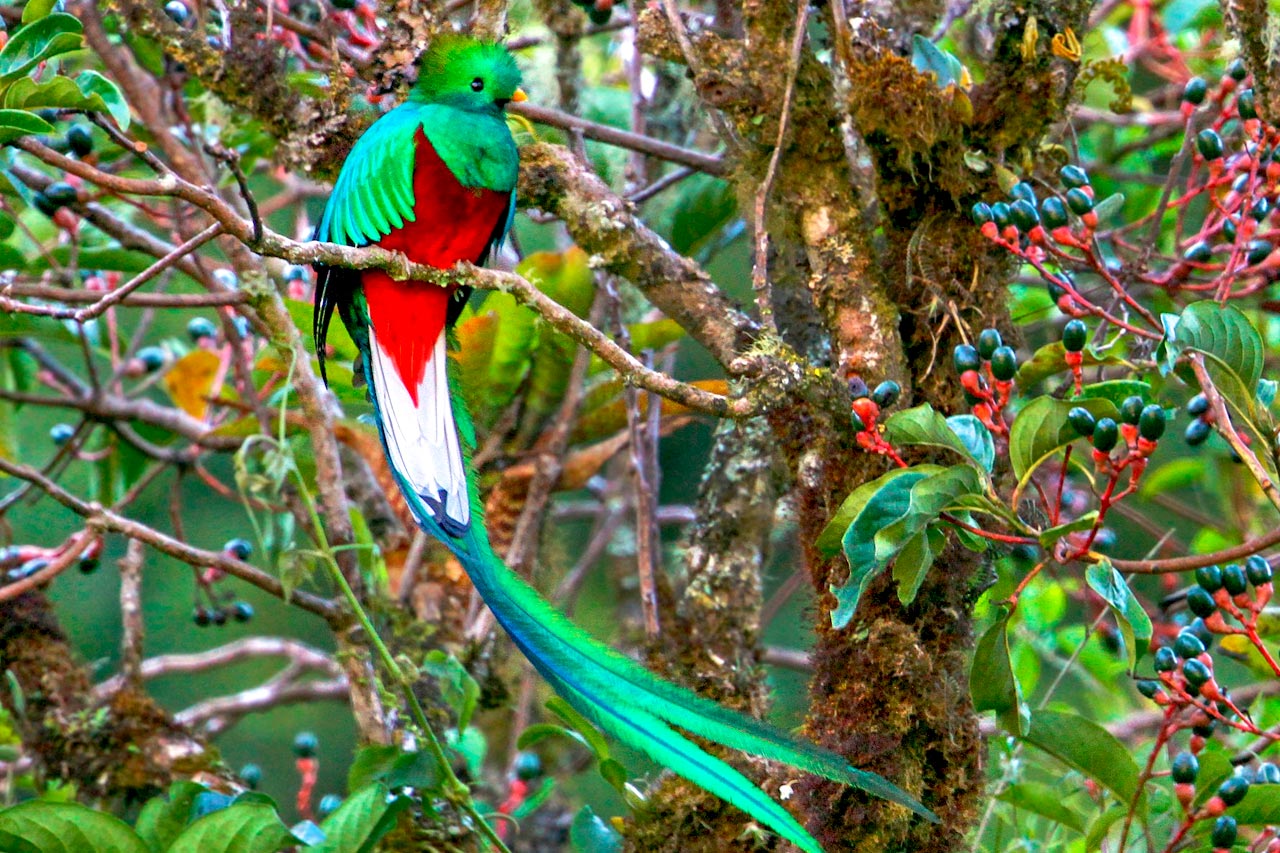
(434, 179)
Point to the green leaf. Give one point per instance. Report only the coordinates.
(245, 827)
(458, 689)
(94, 84)
(1053, 534)
(590, 833)
(829, 541)
(393, 767)
(56, 92)
(38, 42)
(898, 509)
(1045, 801)
(567, 278)
(162, 819)
(541, 731)
(1233, 352)
(1117, 391)
(1102, 825)
(37, 9)
(703, 207)
(922, 425)
(914, 561)
(471, 745)
(1041, 429)
(15, 124)
(992, 684)
(37, 826)
(614, 773)
(1090, 749)
(1172, 476)
(976, 438)
(1214, 769)
(1135, 624)
(1109, 206)
(515, 339)
(1051, 359)
(580, 724)
(363, 818)
(1224, 333)
(344, 349)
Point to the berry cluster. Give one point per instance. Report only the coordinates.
(1186, 686)
(1141, 427)
(20, 562)
(865, 415)
(222, 607)
(986, 374)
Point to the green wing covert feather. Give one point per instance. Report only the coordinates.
(374, 192)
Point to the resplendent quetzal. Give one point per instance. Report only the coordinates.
(435, 179)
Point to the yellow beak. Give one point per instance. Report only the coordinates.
(519, 96)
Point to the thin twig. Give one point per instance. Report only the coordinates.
(706, 163)
(1222, 421)
(131, 614)
(760, 267)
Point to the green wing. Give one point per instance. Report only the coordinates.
(374, 191)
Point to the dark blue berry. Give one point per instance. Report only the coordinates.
(305, 745)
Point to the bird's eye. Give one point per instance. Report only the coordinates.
(477, 85)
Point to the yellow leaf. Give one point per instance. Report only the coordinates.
(190, 381)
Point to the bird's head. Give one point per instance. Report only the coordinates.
(468, 74)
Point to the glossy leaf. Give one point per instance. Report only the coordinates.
(1045, 801)
(829, 541)
(580, 724)
(246, 827)
(898, 509)
(1088, 748)
(567, 278)
(1222, 332)
(1134, 623)
(15, 124)
(94, 84)
(976, 439)
(992, 684)
(37, 9)
(1053, 534)
(109, 257)
(38, 42)
(363, 818)
(1041, 429)
(912, 564)
(60, 93)
(922, 425)
(1233, 354)
(1117, 391)
(1101, 825)
(1050, 360)
(164, 818)
(37, 826)
(394, 768)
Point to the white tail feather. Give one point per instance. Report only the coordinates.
(422, 440)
